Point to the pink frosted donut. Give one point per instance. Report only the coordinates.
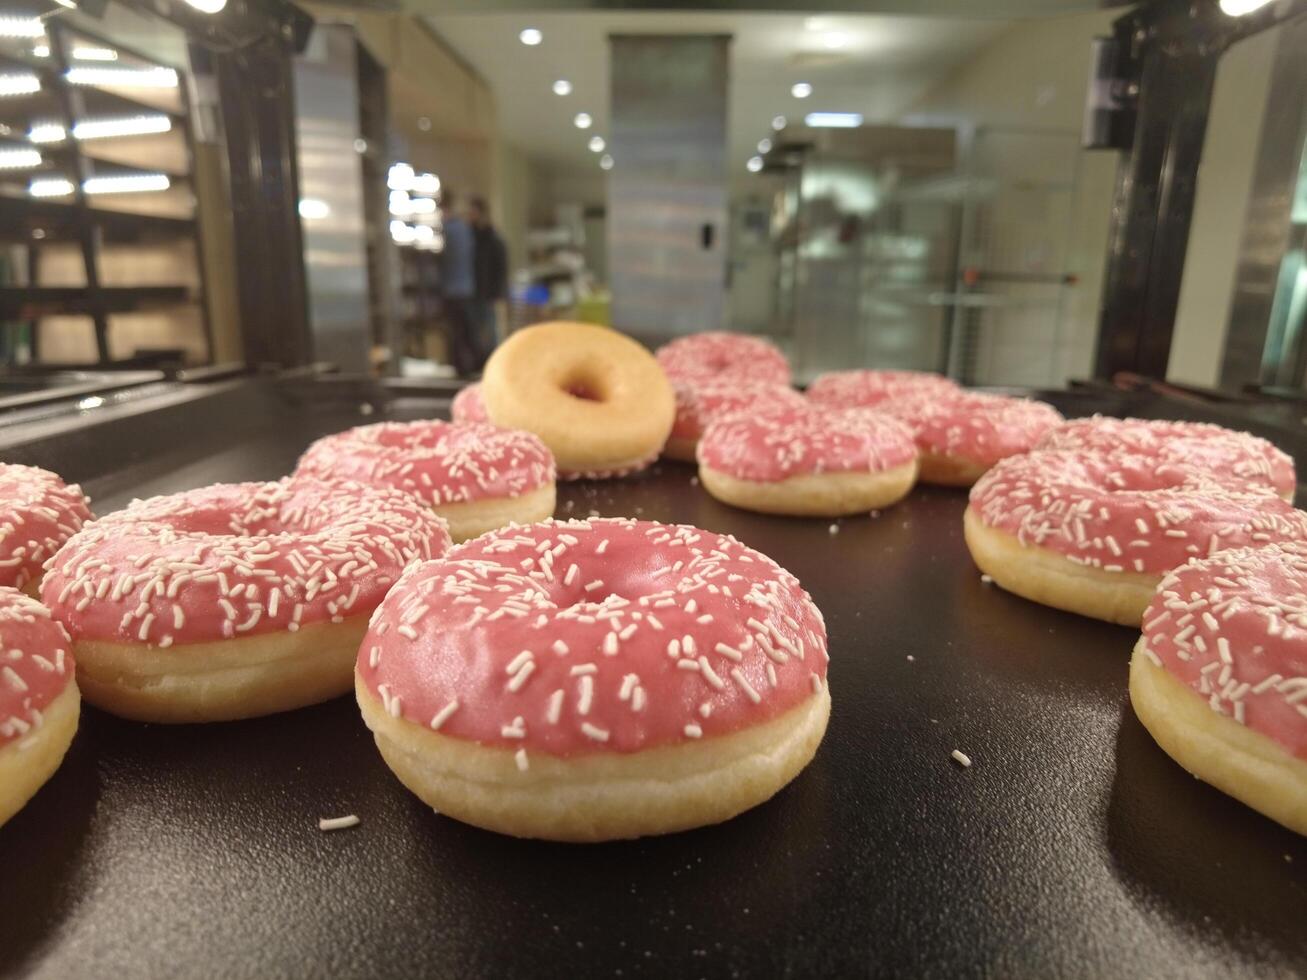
(716, 354)
(807, 460)
(475, 475)
(962, 435)
(1224, 452)
(39, 701)
(1219, 676)
(38, 513)
(468, 405)
(698, 403)
(597, 679)
(1094, 533)
(233, 600)
(865, 389)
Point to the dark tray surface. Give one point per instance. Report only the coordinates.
(1072, 847)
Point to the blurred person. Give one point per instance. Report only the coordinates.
(491, 261)
(458, 286)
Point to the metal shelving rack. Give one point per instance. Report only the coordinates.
(94, 224)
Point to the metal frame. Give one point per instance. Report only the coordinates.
(1167, 54)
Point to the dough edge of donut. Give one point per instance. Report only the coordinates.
(605, 795)
(1240, 762)
(835, 494)
(28, 763)
(221, 680)
(1051, 579)
(943, 470)
(468, 519)
(681, 448)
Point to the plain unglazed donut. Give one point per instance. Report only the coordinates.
(808, 461)
(468, 405)
(234, 600)
(715, 355)
(475, 475)
(1219, 676)
(38, 513)
(963, 434)
(596, 398)
(699, 402)
(1225, 453)
(869, 388)
(1093, 533)
(593, 680)
(39, 700)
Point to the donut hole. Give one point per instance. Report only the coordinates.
(585, 389)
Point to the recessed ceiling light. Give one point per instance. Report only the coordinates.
(816, 23)
(314, 209)
(764, 145)
(835, 40)
(801, 90)
(360, 145)
(833, 120)
(583, 120)
(605, 162)
(597, 144)
(424, 123)
(562, 87)
(778, 123)
(41, 51)
(530, 36)
(754, 164)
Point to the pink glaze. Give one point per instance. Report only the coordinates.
(1222, 451)
(783, 442)
(863, 389)
(698, 403)
(438, 462)
(610, 635)
(1126, 512)
(468, 405)
(1233, 627)
(972, 426)
(38, 513)
(36, 664)
(718, 354)
(238, 559)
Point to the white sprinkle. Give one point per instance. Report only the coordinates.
(816, 683)
(740, 679)
(555, 709)
(516, 663)
(729, 652)
(591, 731)
(560, 648)
(521, 676)
(337, 823)
(987, 579)
(520, 758)
(628, 685)
(610, 645)
(580, 669)
(586, 696)
(637, 699)
(693, 731)
(443, 714)
(961, 758)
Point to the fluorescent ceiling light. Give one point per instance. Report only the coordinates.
(833, 120)
(94, 54)
(425, 184)
(313, 209)
(94, 129)
(19, 159)
(208, 6)
(1237, 8)
(41, 51)
(126, 184)
(754, 164)
(421, 205)
(21, 27)
(562, 87)
(801, 90)
(816, 23)
(778, 123)
(47, 132)
(530, 36)
(835, 40)
(400, 177)
(764, 145)
(401, 233)
(424, 233)
(597, 144)
(124, 77)
(19, 84)
(50, 187)
(583, 120)
(606, 162)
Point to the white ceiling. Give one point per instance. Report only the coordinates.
(886, 63)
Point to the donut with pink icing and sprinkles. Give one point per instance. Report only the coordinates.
(961, 435)
(1219, 676)
(592, 680)
(39, 701)
(234, 600)
(40, 513)
(699, 402)
(475, 475)
(870, 388)
(1094, 533)
(468, 405)
(716, 355)
(808, 460)
(1227, 454)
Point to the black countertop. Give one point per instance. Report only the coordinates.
(1072, 847)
